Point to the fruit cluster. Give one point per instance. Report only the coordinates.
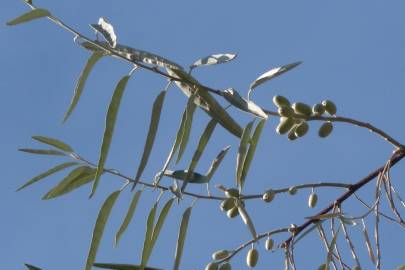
(292, 117)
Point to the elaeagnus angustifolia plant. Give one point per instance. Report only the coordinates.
(296, 119)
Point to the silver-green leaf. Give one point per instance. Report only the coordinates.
(31, 267)
(99, 228)
(242, 151)
(272, 73)
(181, 238)
(116, 266)
(192, 177)
(153, 127)
(216, 162)
(128, 216)
(75, 179)
(109, 128)
(50, 152)
(47, 173)
(29, 16)
(213, 59)
(82, 81)
(54, 142)
(233, 97)
(147, 244)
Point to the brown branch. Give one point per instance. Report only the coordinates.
(397, 156)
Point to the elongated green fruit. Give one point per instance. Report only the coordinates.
(325, 130)
(227, 204)
(268, 245)
(318, 109)
(301, 129)
(286, 123)
(252, 257)
(302, 108)
(269, 195)
(232, 192)
(225, 266)
(329, 106)
(312, 200)
(281, 101)
(220, 254)
(291, 134)
(211, 266)
(233, 212)
(285, 111)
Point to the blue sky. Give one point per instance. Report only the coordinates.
(353, 54)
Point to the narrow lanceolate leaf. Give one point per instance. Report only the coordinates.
(216, 162)
(99, 228)
(242, 151)
(82, 81)
(213, 59)
(147, 244)
(31, 267)
(128, 216)
(325, 216)
(193, 177)
(75, 179)
(42, 151)
(246, 219)
(331, 248)
(368, 245)
(252, 149)
(54, 142)
(173, 150)
(29, 16)
(159, 223)
(116, 266)
(233, 97)
(271, 74)
(109, 128)
(189, 112)
(106, 30)
(153, 127)
(205, 101)
(181, 238)
(200, 149)
(47, 173)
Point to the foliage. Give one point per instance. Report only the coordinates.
(294, 122)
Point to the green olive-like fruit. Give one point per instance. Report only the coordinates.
(227, 204)
(285, 111)
(325, 130)
(252, 257)
(225, 266)
(281, 101)
(318, 109)
(286, 123)
(220, 254)
(322, 267)
(291, 134)
(268, 245)
(232, 193)
(301, 129)
(233, 212)
(357, 268)
(312, 200)
(302, 108)
(329, 106)
(292, 190)
(269, 195)
(211, 266)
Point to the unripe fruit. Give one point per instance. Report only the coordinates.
(301, 129)
(302, 108)
(227, 204)
(312, 200)
(281, 101)
(318, 109)
(292, 190)
(233, 212)
(285, 111)
(211, 266)
(291, 135)
(220, 254)
(286, 123)
(329, 106)
(357, 268)
(325, 129)
(232, 193)
(269, 195)
(252, 257)
(268, 245)
(225, 266)
(322, 267)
